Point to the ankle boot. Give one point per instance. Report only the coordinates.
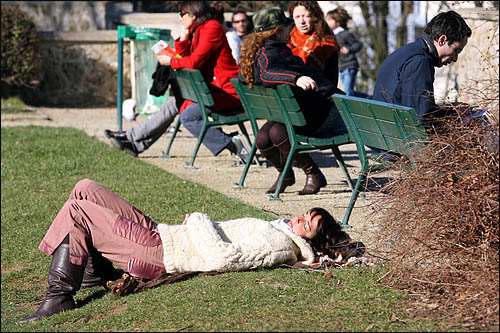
(288, 181)
(314, 177)
(64, 281)
(277, 159)
(98, 271)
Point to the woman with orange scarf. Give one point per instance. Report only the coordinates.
(267, 60)
(312, 40)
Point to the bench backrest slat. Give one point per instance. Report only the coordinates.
(193, 87)
(262, 103)
(381, 125)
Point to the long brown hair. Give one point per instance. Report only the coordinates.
(320, 26)
(329, 235)
(249, 48)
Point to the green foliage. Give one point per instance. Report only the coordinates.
(13, 105)
(21, 58)
(40, 167)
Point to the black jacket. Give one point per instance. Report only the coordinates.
(276, 64)
(162, 78)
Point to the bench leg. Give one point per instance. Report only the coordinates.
(247, 137)
(354, 196)
(190, 164)
(241, 185)
(340, 162)
(166, 152)
(288, 165)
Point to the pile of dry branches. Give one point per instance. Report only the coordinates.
(440, 225)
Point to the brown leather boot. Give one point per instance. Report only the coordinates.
(277, 159)
(98, 271)
(288, 181)
(64, 281)
(314, 177)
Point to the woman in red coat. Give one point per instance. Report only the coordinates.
(203, 46)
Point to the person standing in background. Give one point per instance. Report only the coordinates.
(348, 63)
(241, 27)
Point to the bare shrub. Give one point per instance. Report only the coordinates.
(440, 224)
(438, 220)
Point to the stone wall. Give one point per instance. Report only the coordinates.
(475, 74)
(81, 69)
(478, 64)
(71, 15)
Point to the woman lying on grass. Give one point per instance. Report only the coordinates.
(96, 229)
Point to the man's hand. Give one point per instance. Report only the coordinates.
(344, 50)
(306, 83)
(164, 60)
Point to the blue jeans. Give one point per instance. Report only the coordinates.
(348, 79)
(215, 140)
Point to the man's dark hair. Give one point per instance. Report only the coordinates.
(450, 24)
(236, 12)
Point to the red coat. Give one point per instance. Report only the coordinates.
(207, 49)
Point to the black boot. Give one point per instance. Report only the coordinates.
(277, 159)
(314, 177)
(64, 281)
(98, 271)
(125, 145)
(121, 135)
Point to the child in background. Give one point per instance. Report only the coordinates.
(348, 63)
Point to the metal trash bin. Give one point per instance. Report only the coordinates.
(144, 60)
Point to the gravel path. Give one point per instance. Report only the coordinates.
(219, 173)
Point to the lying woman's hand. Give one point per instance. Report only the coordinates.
(186, 218)
(306, 83)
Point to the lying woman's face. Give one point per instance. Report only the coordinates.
(305, 225)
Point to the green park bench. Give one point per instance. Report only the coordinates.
(374, 124)
(279, 104)
(194, 88)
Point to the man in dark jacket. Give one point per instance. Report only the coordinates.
(406, 76)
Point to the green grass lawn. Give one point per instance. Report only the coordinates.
(40, 167)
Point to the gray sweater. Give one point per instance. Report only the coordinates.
(347, 39)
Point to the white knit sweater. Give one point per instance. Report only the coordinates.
(235, 245)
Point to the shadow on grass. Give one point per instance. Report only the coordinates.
(96, 295)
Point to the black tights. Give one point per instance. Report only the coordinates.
(271, 135)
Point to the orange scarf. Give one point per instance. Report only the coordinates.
(311, 49)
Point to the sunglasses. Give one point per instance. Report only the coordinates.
(182, 13)
(240, 21)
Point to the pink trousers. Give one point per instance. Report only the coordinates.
(97, 219)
